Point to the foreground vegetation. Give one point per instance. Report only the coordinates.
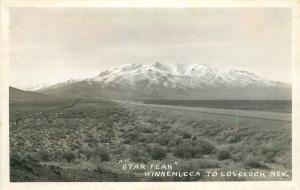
(90, 140)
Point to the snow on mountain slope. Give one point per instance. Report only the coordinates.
(191, 76)
(174, 80)
(128, 75)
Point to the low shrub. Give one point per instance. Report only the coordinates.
(142, 138)
(165, 139)
(196, 150)
(233, 139)
(175, 141)
(158, 153)
(74, 146)
(138, 155)
(252, 162)
(43, 156)
(186, 135)
(223, 154)
(270, 151)
(184, 151)
(130, 137)
(147, 130)
(205, 163)
(203, 147)
(103, 153)
(69, 156)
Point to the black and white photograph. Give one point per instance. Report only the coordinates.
(108, 94)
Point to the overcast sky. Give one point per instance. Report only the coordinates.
(50, 45)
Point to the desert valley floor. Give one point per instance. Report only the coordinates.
(91, 140)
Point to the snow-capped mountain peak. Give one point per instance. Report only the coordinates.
(184, 76)
(180, 80)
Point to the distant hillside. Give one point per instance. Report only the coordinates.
(17, 94)
(21, 97)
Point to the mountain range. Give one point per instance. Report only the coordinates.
(171, 81)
